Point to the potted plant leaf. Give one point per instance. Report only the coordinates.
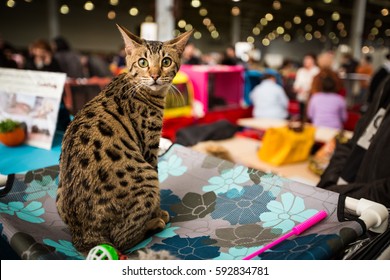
(12, 133)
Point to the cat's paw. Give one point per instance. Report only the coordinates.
(165, 216)
(155, 225)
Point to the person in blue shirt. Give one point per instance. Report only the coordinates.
(269, 99)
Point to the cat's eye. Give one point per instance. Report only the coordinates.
(142, 62)
(166, 62)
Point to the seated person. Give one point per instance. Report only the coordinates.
(360, 167)
(269, 99)
(327, 108)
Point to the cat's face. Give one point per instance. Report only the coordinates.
(153, 64)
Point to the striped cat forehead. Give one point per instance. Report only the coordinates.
(153, 46)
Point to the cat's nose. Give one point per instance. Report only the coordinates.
(155, 76)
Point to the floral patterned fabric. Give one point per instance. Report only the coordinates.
(219, 210)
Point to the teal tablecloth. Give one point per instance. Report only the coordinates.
(24, 158)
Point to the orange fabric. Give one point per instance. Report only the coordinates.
(282, 145)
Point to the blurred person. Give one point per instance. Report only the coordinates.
(95, 65)
(6, 53)
(269, 99)
(190, 55)
(118, 62)
(348, 64)
(325, 63)
(365, 68)
(303, 81)
(229, 57)
(69, 60)
(327, 108)
(360, 167)
(377, 78)
(288, 72)
(210, 58)
(41, 57)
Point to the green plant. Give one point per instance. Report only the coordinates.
(8, 125)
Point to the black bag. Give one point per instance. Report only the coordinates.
(192, 135)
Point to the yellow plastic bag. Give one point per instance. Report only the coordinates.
(283, 145)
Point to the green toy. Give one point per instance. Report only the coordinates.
(103, 252)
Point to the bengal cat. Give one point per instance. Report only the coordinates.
(108, 190)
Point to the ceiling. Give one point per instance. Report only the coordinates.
(259, 21)
(376, 25)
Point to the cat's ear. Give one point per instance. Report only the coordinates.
(131, 41)
(180, 41)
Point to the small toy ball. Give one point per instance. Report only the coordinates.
(103, 252)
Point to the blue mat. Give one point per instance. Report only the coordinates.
(24, 158)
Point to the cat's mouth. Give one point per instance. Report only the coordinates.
(156, 85)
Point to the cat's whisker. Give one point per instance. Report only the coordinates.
(177, 95)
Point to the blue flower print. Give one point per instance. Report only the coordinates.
(307, 247)
(168, 198)
(64, 247)
(198, 248)
(245, 209)
(38, 189)
(229, 179)
(238, 253)
(272, 183)
(166, 233)
(173, 166)
(169, 231)
(201, 227)
(285, 214)
(139, 246)
(29, 213)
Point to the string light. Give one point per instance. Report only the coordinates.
(64, 9)
(10, 3)
(133, 11)
(269, 17)
(235, 11)
(196, 3)
(335, 16)
(276, 5)
(297, 20)
(114, 2)
(256, 30)
(287, 37)
(203, 12)
(308, 36)
(309, 12)
(111, 15)
(188, 27)
(214, 34)
(89, 6)
(197, 35)
(265, 42)
(206, 21)
(250, 39)
(182, 23)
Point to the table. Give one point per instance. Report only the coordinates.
(244, 151)
(322, 134)
(219, 81)
(24, 158)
